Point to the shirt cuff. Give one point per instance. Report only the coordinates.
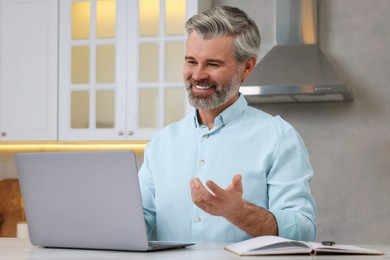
(287, 224)
(294, 226)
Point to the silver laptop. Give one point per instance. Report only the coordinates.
(88, 200)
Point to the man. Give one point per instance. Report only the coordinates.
(227, 172)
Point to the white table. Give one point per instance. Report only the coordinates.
(21, 249)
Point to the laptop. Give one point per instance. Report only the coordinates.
(88, 200)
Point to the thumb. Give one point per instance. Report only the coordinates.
(237, 184)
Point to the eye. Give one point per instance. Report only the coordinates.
(214, 64)
(193, 62)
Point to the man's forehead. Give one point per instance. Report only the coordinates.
(217, 48)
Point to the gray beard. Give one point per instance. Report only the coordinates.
(221, 95)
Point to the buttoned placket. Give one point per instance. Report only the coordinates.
(200, 222)
(199, 216)
(205, 136)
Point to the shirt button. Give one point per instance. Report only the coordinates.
(202, 162)
(206, 136)
(198, 219)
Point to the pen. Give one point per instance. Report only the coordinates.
(328, 243)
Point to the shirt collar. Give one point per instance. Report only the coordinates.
(226, 116)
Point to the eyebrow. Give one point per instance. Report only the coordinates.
(207, 60)
(189, 58)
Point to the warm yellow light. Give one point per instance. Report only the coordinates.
(149, 13)
(81, 19)
(175, 16)
(105, 18)
(68, 146)
(80, 64)
(308, 30)
(105, 64)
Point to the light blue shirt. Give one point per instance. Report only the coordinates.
(265, 150)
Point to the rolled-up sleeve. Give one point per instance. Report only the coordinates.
(290, 199)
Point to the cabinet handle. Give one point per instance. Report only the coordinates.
(120, 133)
(130, 133)
(3, 134)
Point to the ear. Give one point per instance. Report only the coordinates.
(248, 67)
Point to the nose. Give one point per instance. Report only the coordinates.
(199, 73)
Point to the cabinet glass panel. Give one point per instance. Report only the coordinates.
(105, 64)
(175, 16)
(80, 109)
(148, 108)
(81, 19)
(105, 108)
(105, 18)
(148, 62)
(175, 52)
(80, 64)
(149, 16)
(174, 104)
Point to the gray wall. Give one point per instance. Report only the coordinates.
(349, 144)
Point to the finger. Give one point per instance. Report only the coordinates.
(218, 191)
(237, 182)
(196, 185)
(199, 192)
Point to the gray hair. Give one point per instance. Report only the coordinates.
(228, 21)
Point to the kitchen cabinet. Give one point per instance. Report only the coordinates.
(28, 70)
(120, 67)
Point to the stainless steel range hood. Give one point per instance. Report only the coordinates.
(295, 69)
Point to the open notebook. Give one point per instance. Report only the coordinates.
(86, 200)
(273, 245)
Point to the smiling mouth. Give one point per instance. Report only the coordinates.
(202, 87)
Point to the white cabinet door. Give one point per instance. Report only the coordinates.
(29, 64)
(92, 89)
(121, 67)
